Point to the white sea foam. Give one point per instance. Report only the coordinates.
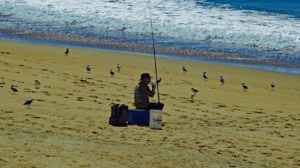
(197, 20)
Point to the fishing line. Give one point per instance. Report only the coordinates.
(154, 51)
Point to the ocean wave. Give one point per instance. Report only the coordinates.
(190, 20)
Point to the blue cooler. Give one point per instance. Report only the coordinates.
(138, 116)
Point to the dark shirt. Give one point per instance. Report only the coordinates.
(141, 95)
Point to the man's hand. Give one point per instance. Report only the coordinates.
(153, 86)
(153, 89)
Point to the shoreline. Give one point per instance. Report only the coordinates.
(217, 57)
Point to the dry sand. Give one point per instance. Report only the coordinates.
(67, 125)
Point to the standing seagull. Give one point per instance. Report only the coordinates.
(88, 68)
(158, 80)
(272, 85)
(28, 102)
(112, 72)
(13, 88)
(184, 69)
(245, 86)
(37, 82)
(204, 75)
(82, 80)
(119, 67)
(67, 51)
(192, 97)
(194, 90)
(222, 79)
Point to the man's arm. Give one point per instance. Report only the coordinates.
(146, 91)
(153, 90)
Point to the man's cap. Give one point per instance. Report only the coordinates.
(145, 75)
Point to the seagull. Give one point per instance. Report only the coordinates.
(158, 80)
(272, 85)
(184, 69)
(245, 86)
(112, 72)
(28, 102)
(204, 75)
(119, 66)
(13, 88)
(88, 68)
(67, 51)
(222, 79)
(37, 82)
(82, 80)
(192, 97)
(195, 90)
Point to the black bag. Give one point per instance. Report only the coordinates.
(118, 115)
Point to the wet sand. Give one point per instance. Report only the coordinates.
(67, 124)
(231, 57)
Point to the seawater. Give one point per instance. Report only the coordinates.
(260, 30)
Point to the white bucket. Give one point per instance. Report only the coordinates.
(156, 119)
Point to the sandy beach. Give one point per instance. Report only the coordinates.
(67, 124)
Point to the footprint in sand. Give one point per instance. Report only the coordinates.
(187, 82)
(80, 98)
(46, 93)
(184, 117)
(221, 105)
(2, 83)
(258, 112)
(167, 114)
(164, 94)
(27, 90)
(93, 96)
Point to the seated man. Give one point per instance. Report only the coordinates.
(142, 94)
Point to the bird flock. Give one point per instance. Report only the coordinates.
(222, 80)
(37, 82)
(88, 68)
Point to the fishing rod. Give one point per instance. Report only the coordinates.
(154, 51)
